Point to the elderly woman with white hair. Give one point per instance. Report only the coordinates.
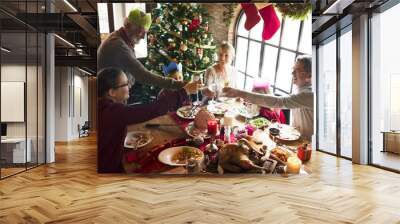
(118, 51)
(221, 74)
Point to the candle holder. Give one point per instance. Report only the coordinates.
(212, 128)
(293, 165)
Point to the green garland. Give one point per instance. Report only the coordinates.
(299, 11)
(228, 13)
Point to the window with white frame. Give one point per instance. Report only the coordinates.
(120, 11)
(270, 60)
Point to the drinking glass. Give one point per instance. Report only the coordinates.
(196, 78)
(214, 88)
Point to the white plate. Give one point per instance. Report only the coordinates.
(287, 132)
(167, 155)
(218, 108)
(194, 132)
(242, 111)
(132, 135)
(181, 112)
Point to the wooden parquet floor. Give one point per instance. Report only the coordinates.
(70, 191)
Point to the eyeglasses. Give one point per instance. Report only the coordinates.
(298, 72)
(123, 85)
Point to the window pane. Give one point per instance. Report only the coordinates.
(240, 80)
(269, 63)
(103, 18)
(119, 15)
(253, 61)
(277, 92)
(241, 30)
(327, 97)
(290, 33)
(256, 31)
(130, 6)
(306, 39)
(385, 86)
(241, 54)
(346, 94)
(284, 75)
(249, 83)
(275, 39)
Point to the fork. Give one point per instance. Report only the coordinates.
(193, 109)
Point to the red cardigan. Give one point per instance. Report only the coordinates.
(113, 119)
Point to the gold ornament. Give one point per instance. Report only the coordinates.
(183, 47)
(184, 22)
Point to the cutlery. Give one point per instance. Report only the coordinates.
(154, 125)
(193, 110)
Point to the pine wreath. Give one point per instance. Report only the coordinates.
(298, 11)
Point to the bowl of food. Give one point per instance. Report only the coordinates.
(279, 154)
(137, 139)
(274, 131)
(178, 156)
(187, 112)
(218, 108)
(260, 122)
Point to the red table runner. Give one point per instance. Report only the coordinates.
(148, 162)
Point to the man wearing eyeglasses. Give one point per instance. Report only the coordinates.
(118, 51)
(301, 103)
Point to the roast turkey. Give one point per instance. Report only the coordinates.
(235, 158)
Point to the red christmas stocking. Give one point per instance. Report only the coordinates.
(252, 17)
(271, 22)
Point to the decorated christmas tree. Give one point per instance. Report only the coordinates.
(179, 33)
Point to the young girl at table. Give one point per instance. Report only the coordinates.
(271, 114)
(174, 71)
(222, 74)
(114, 115)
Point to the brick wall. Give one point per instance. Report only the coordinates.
(217, 25)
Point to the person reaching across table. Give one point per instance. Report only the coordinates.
(114, 115)
(118, 51)
(272, 114)
(301, 103)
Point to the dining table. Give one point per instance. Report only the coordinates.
(169, 130)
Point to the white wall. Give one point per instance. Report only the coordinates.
(33, 127)
(71, 93)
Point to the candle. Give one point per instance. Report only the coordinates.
(212, 127)
(250, 130)
(293, 164)
(228, 120)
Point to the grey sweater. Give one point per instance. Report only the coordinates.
(301, 104)
(114, 52)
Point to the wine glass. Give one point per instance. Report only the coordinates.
(248, 111)
(196, 78)
(214, 88)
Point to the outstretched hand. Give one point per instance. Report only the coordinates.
(208, 93)
(230, 92)
(193, 87)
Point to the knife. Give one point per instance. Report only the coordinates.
(155, 125)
